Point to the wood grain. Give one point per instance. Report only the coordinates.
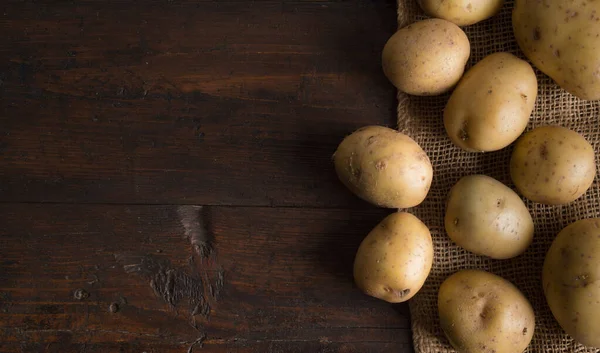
(117, 117)
(187, 102)
(286, 281)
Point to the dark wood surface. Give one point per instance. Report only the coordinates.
(166, 181)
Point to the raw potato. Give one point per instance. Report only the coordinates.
(571, 280)
(427, 57)
(552, 165)
(384, 167)
(461, 12)
(482, 312)
(394, 260)
(562, 38)
(487, 218)
(491, 106)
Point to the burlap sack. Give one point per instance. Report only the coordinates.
(421, 118)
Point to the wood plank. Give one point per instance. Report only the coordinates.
(213, 347)
(187, 102)
(159, 278)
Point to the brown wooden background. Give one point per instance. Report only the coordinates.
(166, 182)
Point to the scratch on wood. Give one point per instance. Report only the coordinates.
(169, 284)
(201, 308)
(197, 342)
(215, 290)
(195, 232)
(199, 285)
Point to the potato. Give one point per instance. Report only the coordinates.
(384, 167)
(487, 218)
(427, 57)
(552, 165)
(482, 312)
(490, 107)
(570, 277)
(563, 40)
(461, 12)
(394, 260)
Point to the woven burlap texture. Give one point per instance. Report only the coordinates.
(421, 118)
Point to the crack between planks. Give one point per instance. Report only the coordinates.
(247, 340)
(207, 205)
(173, 339)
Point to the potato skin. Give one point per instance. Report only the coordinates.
(562, 39)
(427, 57)
(482, 312)
(487, 218)
(394, 260)
(570, 277)
(384, 167)
(461, 12)
(491, 106)
(552, 165)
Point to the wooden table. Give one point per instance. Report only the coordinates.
(166, 182)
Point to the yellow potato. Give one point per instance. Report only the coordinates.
(486, 217)
(394, 260)
(427, 57)
(491, 106)
(552, 165)
(571, 280)
(562, 38)
(461, 12)
(482, 312)
(384, 167)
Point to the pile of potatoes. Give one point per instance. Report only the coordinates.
(489, 109)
